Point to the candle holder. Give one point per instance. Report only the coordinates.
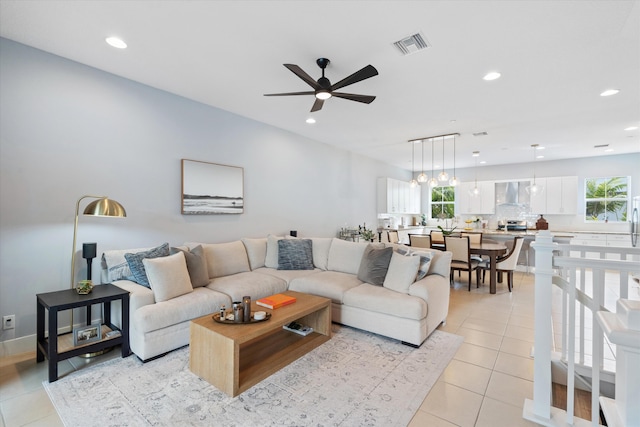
(246, 305)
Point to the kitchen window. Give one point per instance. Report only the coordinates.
(443, 201)
(606, 199)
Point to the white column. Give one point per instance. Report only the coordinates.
(540, 409)
(623, 329)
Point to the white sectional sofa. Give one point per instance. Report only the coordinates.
(399, 306)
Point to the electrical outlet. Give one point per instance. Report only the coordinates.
(9, 322)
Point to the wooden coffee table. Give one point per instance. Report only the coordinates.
(234, 358)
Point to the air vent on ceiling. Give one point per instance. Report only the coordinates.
(480, 134)
(411, 44)
(601, 146)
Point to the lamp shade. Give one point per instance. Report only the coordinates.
(105, 207)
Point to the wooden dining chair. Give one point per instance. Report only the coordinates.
(475, 239)
(437, 239)
(461, 258)
(420, 240)
(392, 235)
(506, 264)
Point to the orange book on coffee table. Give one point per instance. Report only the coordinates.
(276, 301)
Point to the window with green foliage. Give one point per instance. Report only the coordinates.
(606, 199)
(443, 202)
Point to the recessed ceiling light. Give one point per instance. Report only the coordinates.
(540, 156)
(311, 120)
(631, 128)
(609, 92)
(539, 147)
(482, 162)
(116, 42)
(475, 154)
(608, 150)
(492, 76)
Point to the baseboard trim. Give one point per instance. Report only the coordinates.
(18, 346)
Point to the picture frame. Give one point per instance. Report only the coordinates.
(87, 334)
(211, 188)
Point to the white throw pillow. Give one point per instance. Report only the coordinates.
(256, 251)
(168, 276)
(402, 272)
(271, 259)
(225, 259)
(345, 256)
(321, 246)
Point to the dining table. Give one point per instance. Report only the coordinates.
(493, 251)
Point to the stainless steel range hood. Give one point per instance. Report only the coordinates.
(512, 193)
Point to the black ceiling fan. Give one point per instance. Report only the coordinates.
(323, 89)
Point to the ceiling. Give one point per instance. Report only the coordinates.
(555, 57)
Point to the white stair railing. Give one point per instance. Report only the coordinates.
(581, 277)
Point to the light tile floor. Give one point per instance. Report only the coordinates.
(485, 384)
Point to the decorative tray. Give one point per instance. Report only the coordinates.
(216, 318)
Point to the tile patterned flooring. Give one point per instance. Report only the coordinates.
(484, 385)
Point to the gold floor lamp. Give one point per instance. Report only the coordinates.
(103, 206)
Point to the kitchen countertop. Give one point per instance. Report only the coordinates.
(490, 232)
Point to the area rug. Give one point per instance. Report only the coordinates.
(355, 379)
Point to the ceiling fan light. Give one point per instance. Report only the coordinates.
(423, 177)
(323, 94)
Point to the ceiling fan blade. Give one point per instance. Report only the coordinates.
(317, 106)
(367, 99)
(365, 73)
(290, 93)
(303, 75)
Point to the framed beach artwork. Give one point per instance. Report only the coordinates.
(210, 188)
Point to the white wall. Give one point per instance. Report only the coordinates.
(67, 130)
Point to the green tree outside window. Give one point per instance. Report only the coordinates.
(606, 199)
(443, 202)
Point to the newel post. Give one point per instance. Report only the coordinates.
(622, 328)
(540, 408)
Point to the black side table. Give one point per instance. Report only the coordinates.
(57, 348)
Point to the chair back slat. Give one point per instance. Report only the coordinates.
(459, 247)
(474, 238)
(393, 236)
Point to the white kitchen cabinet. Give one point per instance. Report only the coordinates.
(559, 196)
(482, 204)
(397, 197)
(562, 195)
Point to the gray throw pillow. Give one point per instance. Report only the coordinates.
(295, 254)
(374, 265)
(137, 267)
(196, 265)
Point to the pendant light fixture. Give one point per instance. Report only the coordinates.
(534, 189)
(454, 181)
(443, 176)
(413, 183)
(475, 191)
(423, 176)
(433, 182)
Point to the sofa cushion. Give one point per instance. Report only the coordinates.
(440, 263)
(196, 265)
(168, 276)
(250, 284)
(345, 256)
(286, 275)
(256, 251)
(200, 302)
(402, 272)
(321, 246)
(137, 267)
(271, 258)
(295, 254)
(374, 265)
(224, 259)
(328, 284)
(382, 300)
